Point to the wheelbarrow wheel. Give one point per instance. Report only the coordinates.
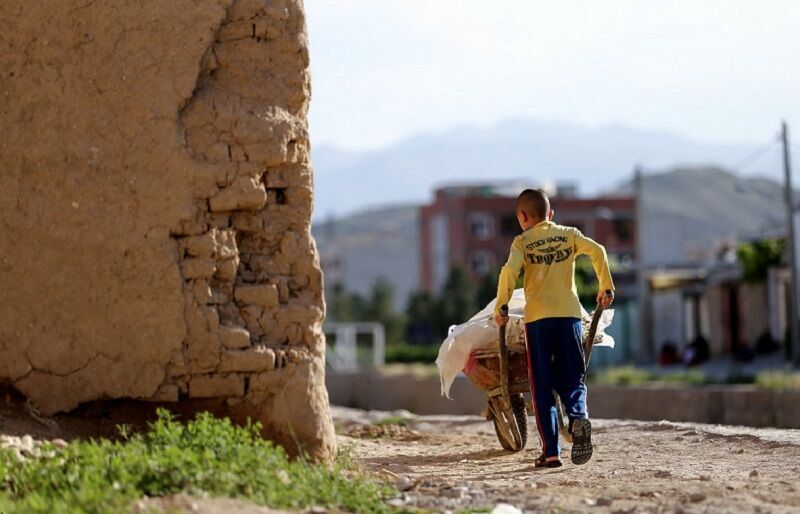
(511, 430)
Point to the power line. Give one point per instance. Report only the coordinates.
(755, 154)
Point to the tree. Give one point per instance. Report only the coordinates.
(585, 280)
(379, 308)
(457, 300)
(421, 315)
(341, 306)
(487, 289)
(758, 256)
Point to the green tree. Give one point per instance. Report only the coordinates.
(342, 304)
(379, 308)
(422, 313)
(487, 289)
(585, 280)
(758, 256)
(457, 300)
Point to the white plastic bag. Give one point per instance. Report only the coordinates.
(481, 332)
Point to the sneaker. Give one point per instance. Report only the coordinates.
(581, 441)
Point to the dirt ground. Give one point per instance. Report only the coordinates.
(451, 463)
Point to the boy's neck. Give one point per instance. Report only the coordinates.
(530, 224)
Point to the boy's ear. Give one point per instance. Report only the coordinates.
(551, 215)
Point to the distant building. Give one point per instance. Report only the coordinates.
(472, 226)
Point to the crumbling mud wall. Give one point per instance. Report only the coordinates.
(155, 198)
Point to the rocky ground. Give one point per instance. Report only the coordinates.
(454, 463)
(448, 463)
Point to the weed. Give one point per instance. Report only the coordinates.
(204, 456)
(400, 421)
(778, 380)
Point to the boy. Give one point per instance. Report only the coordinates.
(546, 252)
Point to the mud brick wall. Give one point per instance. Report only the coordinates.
(155, 200)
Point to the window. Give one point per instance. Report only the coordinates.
(481, 262)
(623, 229)
(481, 225)
(509, 226)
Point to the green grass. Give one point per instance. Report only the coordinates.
(691, 377)
(631, 376)
(409, 353)
(623, 375)
(778, 380)
(206, 456)
(393, 420)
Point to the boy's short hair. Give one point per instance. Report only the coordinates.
(534, 203)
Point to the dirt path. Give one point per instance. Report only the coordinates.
(453, 463)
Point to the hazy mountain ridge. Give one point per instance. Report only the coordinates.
(689, 209)
(597, 159)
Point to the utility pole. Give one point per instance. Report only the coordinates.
(794, 336)
(644, 354)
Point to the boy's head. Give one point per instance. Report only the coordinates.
(532, 207)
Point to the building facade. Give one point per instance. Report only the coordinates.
(472, 226)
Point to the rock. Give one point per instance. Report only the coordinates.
(754, 473)
(697, 497)
(264, 295)
(505, 508)
(403, 483)
(604, 502)
(283, 476)
(246, 193)
(198, 268)
(226, 269)
(251, 359)
(204, 245)
(215, 386)
(247, 221)
(59, 443)
(234, 337)
(26, 442)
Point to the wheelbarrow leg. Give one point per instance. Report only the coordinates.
(503, 410)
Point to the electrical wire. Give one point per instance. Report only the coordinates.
(754, 155)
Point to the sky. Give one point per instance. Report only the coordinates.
(714, 71)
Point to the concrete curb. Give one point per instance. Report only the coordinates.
(728, 405)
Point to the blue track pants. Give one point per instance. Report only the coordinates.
(555, 363)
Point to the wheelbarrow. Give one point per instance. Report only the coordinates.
(502, 374)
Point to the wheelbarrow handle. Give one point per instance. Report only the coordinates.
(589, 342)
(504, 374)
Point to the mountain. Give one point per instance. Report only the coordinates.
(596, 159)
(688, 213)
(376, 243)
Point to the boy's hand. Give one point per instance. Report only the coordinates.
(500, 320)
(605, 298)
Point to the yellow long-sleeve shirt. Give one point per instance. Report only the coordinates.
(546, 253)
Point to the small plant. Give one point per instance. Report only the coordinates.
(778, 380)
(409, 353)
(394, 420)
(207, 456)
(692, 377)
(623, 375)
